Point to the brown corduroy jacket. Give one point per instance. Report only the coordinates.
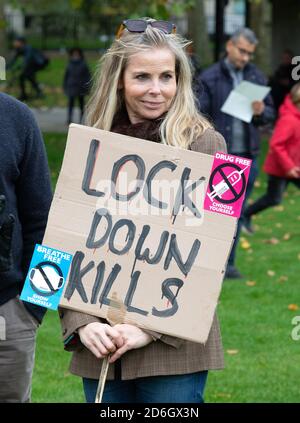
(166, 355)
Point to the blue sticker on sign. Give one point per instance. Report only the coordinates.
(46, 277)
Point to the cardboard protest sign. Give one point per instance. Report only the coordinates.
(131, 213)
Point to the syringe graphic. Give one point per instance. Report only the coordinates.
(219, 189)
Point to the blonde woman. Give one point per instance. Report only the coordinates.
(143, 89)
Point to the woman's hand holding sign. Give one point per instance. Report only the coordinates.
(100, 338)
(133, 337)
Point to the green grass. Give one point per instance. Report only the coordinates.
(55, 146)
(255, 319)
(51, 81)
(51, 380)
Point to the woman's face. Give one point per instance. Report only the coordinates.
(149, 84)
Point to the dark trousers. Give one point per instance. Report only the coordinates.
(71, 104)
(29, 74)
(273, 196)
(252, 177)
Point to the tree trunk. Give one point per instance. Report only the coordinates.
(3, 45)
(260, 23)
(197, 28)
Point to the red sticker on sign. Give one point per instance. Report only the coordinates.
(227, 184)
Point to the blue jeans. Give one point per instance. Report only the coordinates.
(155, 389)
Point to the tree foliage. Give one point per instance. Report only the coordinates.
(162, 9)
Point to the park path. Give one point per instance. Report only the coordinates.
(53, 119)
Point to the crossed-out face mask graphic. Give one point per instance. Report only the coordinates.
(46, 278)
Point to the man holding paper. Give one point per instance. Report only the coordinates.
(235, 97)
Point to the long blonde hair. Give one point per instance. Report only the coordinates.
(182, 123)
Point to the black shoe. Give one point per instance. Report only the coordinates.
(232, 273)
(247, 227)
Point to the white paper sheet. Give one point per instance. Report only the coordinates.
(239, 102)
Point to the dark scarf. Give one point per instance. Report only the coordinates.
(148, 130)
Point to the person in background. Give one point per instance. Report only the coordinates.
(76, 81)
(32, 61)
(282, 80)
(242, 138)
(196, 69)
(25, 198)
(282, 163)
(144, 90)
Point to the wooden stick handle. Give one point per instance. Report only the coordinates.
(102, 379)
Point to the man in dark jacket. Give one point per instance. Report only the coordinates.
(25, 197)
(242, 138)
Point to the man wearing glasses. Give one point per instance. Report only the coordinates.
(242, 138)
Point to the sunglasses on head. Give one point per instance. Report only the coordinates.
(140, 25)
